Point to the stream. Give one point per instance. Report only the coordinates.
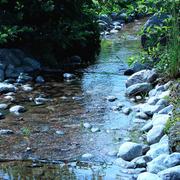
(50, 139)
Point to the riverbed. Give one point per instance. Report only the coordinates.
(50, 139)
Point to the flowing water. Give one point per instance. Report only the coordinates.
(55, 155)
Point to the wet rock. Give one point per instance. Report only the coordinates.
(159, 148)
(152, 100)
(27, 88)
(125, 164)
(87, 156)
(114, 31)
(87, 125)
(163, 102)
(167, 110)
(141, 161)
(148, 176)
(41, 100)
(156, 165)
(142, 115)
(95, 129)
(164, 94)
(40, 80)
(145, 148)
(69, 76)
(3, 106)
(5, 87)
(59, 132)
(138, 98)
(172, 160)
(170, 173)
(17, 109)
(23, 78)
(111, 98)
(128, 72)
(138, 88)
(168, 85)
(129, 151)
(126, 111)
(144, 76)
(112, 153)
(10, 98)
(160, 119)
(151, 109)
(6, 132)
(155, 134)
(147, 126)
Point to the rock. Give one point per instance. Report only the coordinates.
(5, 87)
(155, 20)
(41, 100)
(126, 111)
(10, 98)
(87, 156)
(23, 78)
(9, 81)
(17, 109)
(112, 153)
(40, 80)
(170, 173)
(87, 125)
(139, 121)
(27, 88)
(142, 115)
(75, 60)
(152, 100)
(157, 165)
(162, 102)
(159, 148)
(144, 76)
(148, 176)
(128, 72)
(114, 31)
(147, 126)
(125, 164)
(33, 64)
(68, 76)
(59, 132)
(129, 151)
(168, 85)
(6, 132)
(167, 110)
(160, 119)
(145, 148)
(2, 74)
(138, 98)
(151, 109)
(172, 160)
(139, 88)
(95, 129)
(164, 94)
(3, 106)
(111, 98)
(155, 134)
(141, 161)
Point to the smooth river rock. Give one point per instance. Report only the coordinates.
(17, 109)
(129, 151)
(148, 176)
(5, 88)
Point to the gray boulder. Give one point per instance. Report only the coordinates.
(170, 173)
(139, 88)
(5, 88)
(141, 161)
(155, 134)
(151, 109)
(129, 151)
(167, 110)
(148, 176)
(147, 126)
(144, 76)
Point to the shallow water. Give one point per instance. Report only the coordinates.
(73, 103)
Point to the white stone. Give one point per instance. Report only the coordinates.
(87, 156)
(87, 125)
(147, 126)
(152, 100)
(126, 111)
(17, 109)
(125, 164)
(142, 115)
(167, 110)
(95, 129)
(148, 176)
(3, 106)
(5, 87)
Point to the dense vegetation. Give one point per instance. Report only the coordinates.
(51, 30)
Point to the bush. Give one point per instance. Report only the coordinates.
(50, 30)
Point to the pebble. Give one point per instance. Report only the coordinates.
(126, 111)
(87, 125)
(6, 132)
(95, 129)
(59, 132)
(17, 109)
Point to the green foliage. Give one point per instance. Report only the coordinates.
(50, 28)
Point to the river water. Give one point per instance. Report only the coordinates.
(58, 156)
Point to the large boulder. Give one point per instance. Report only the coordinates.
(170, 173)
(148, 40)
(5, 88)
(129, 150)
(144, 76)
(139, 88)
(15, 61)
